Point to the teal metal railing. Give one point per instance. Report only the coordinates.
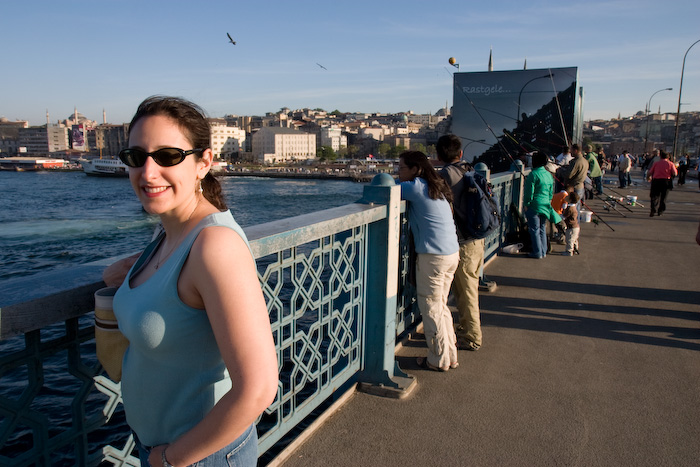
(338, 292)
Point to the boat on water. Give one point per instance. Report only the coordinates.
(104, 167)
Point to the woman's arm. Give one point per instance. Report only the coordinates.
(220, 277)
(116, 272)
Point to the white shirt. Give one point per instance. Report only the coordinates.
(564, 158)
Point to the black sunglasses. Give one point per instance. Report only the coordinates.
(165, 157)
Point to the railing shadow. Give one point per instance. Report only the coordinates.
(567, 318)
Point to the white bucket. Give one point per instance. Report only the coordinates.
(512, 249)
(631, 200)
(585, 216)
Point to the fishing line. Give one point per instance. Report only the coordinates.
(556, 99)
(498, 140)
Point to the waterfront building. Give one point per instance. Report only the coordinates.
(109, 139)
(226, 140)
(43, 140)
(272, 144)
(8, 135)
(333, 136)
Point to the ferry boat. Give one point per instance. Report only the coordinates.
(105, 167)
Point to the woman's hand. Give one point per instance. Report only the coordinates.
(155, 457)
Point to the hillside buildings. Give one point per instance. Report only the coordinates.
(303, 134)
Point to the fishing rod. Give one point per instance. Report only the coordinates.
(597, 215)
(556, 99)
(608, 204)
(616, 201)
(622, 196)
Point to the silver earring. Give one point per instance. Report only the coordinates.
(200, 189)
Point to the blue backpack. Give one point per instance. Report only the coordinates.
(476, 210)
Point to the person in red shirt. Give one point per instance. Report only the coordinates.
(661, 177)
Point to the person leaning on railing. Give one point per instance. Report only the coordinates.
(435, 238)
(201, 364)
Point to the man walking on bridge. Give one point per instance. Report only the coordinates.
(471, 251)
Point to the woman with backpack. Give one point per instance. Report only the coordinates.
(435, 238)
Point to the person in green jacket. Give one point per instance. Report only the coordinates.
(594, 169)
(539, 189)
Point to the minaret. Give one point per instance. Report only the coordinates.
(104, 116)
(47, 117)
(491, 59)
(75, 115)
(525, 65)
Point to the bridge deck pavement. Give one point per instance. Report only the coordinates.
(591, 360)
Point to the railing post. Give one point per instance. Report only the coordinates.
(380, 374)
(518, 183)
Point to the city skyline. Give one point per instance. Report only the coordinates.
(368, 57)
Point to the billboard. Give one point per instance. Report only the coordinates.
(78, 137)
(504, 115)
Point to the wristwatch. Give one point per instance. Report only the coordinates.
(165, 461)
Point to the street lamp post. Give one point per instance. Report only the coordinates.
(471, 141)
(680, 90)
(520, 95)
(646, 136)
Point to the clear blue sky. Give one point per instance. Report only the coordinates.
(381, 56)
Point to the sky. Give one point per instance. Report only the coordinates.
(379, 56)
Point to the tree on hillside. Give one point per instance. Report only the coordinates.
(326, 153)
(384, 149)
(396, 151)
(352, 150)
(418, 147)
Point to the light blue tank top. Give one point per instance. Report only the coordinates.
(173, 372)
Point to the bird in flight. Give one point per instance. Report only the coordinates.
(322, 66)
(230, 39)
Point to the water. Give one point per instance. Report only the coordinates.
(51, 220)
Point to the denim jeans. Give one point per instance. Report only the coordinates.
(537, 225)
(581, 192)
(622, 176)
(598, 184)
(243, 452)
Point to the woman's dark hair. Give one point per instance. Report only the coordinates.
(193, 122)
(539, 159)
(437, 188)
(662, 154)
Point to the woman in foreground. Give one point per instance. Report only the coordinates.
(435, 238)
(201, 365)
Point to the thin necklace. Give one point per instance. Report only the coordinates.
(176, 242)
